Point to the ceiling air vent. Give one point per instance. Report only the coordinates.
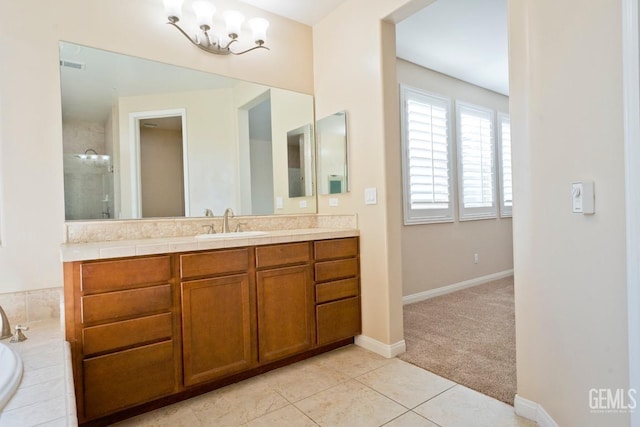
(72, 64)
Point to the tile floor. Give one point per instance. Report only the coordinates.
(346, 387)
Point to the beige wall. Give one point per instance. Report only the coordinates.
(435, 255)
(365, 86)
(31, 130)
(566, 114)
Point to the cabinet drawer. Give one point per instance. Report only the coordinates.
(280, 255)
(338, 320)
(339, 289)
(333, 270)
(127, 378)
(214, 263)
(338, 248)
(125, 304)
(107, 276)
(113, 336)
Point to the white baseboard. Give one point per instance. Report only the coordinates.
(386, 350)
(421, 296)
(533, 411)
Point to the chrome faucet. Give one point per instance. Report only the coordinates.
(225, 220)
(5, 327)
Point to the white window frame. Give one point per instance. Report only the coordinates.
(505, 207)
(433, 215)
(474, 213)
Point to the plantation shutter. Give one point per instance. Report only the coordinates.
(506, 182)
(427, 157)
(477, 162)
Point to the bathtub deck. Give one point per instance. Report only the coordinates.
(45, 394)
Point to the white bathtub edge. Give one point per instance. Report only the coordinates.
(9, 383)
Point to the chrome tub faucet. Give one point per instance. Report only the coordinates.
(18, 336)
(5, 327)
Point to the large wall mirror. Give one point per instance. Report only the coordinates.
(333, 177)
(145, 139)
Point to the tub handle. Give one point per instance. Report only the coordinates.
(18, 336)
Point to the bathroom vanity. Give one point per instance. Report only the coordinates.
(146, 331)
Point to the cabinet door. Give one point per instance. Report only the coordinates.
(286, 322)
(218, 327)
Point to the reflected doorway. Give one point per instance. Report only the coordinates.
(161, 167)
(160, 183)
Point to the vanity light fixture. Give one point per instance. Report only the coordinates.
(217, 42)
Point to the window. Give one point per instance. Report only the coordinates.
(504, 164)
(426, 157)
(476, 162)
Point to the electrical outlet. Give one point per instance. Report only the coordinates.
(333, 201)
(475, 258)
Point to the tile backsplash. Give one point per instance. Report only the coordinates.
(32, 306)
(105, 231)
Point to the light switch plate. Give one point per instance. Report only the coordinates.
(583, 197)
(370, 196)
(279, 203)
(303, 204)
(576, 197)
(333, 201)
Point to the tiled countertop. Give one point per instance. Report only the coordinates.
(45, 395)
(125, 248)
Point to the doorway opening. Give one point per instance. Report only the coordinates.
(451, 55)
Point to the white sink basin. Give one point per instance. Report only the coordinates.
(238, 235)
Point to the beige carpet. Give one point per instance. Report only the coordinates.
(467, 336)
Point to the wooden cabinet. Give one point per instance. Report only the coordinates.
(218, 315)
(337, 289)
(121, 327)
(286, 324)
(154, 329)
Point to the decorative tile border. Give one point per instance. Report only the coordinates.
(114, 230)
(32, 306)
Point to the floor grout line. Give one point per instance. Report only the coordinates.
(383, 395)
(392, 420)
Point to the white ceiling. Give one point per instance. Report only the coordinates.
(306, 11)
(466, 39)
